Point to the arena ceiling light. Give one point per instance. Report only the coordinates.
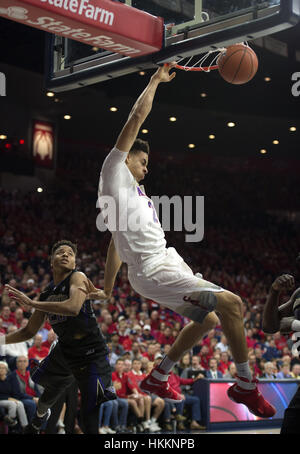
(113, 109)
(263, 151)
(67, 117)
(211, 136)
(231, 124)
(145, 131)
(172, 119)
(275, 142)
(50, 94)
(293, 128)
(203, 95)
(3, 137)
(191, 145)
(267, 79)
(39, 189)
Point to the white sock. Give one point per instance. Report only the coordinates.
(243, 370)
(167, 365)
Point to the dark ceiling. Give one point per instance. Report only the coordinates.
(262, 111)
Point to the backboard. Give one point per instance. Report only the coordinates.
(191, 27)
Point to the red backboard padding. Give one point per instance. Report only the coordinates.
(101, 23)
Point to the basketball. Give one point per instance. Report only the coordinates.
(238, 64)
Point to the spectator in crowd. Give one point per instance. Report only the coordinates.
(224, 362)
(213, 372)
(37, 351)
(51, 337)
(116, 347)
(150, 401)
(296, 371)
(125, 389)
(205, 356)
(231, 372)
(269, 372)
(184, 363)
(253, 364)
(189, 400)
(105, 413)
(7, 317)
(285, 372)
(10, 400)
(19, 316)
(223, 344)
(271, 351)
(146, 334)
(29, 390)
(12, 351)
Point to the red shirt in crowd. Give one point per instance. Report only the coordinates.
(175, 381)
(223, 366)
(135, 380)
(162, 339)
(38, 353)
(127, 386)
(28, 390)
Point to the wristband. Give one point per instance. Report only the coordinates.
(295, 326)
(2, 339)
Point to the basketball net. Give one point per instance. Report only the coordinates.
(207, 62)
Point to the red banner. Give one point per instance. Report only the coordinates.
(105, 24)
(43, 143)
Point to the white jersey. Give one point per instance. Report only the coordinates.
(137, 233)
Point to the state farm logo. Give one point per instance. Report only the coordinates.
(15, 12)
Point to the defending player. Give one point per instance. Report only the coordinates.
(159, 273)
(80, 353)
(285, 318)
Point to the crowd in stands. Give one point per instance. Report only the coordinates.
(242, 250)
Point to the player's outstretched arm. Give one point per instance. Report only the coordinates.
(272, 313)
(142, 108)
(28, 332)
(70, 306)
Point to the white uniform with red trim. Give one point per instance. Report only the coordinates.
(154, 271)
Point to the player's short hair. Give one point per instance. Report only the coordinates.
(140, 145)
(64, 243)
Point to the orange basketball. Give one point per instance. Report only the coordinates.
(238, 64)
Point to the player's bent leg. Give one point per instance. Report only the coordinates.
(230, 310)
(245, 391)
(190, 335)
(157, 381)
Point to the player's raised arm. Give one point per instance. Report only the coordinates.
(112, 266)
(70, 306)
(28, 332)
(272, 313)
(142, 108)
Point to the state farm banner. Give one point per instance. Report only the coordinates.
(105, 24)
(43, 143)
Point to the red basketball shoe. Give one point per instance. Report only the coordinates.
(253, 399)
(152, 384)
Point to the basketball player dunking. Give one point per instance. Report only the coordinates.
(158, 272)
(79, 354)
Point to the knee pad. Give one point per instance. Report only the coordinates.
(205, 300)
